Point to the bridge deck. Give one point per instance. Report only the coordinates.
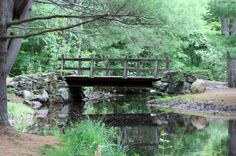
(109, 81)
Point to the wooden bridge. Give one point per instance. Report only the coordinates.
(117, 72)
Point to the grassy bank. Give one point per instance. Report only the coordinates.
(82, 139)
(20, 115)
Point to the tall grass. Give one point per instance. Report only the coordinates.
(83, 138)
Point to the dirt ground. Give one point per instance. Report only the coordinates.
(220, 96)
(25, 144)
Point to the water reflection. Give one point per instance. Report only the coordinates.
(168, 137)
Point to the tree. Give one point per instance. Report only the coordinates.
(225, 11)
(9, 10)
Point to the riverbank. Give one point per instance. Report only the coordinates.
(215, 103)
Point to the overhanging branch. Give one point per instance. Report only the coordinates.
(64, 16)
(53, 30)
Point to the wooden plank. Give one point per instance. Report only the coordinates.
(111, 59)
(156, 67)
(62, 64)
(104, 69)
(78, 81)
(92, 67)
(80, 71)
(138, 71)
(107, 67)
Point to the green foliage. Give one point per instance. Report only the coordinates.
(164, 145)
(186, 31)
(19, 115)
(202, 142)
(83, 139)
(221, 8)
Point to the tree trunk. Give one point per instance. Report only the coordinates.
(224, 26)
(233, 27)
(8, 51)
(232, 138)
(3, 103)
(5, 13)
(231, 72)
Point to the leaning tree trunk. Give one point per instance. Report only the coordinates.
(225, 26)
(9, 48)
(231, 71)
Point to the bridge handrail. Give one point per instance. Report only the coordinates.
(124, 61)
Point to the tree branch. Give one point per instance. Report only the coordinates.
(53, 30)
(63, 16)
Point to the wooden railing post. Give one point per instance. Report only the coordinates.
(92, 67)
(80, 71)
(107, 67)
(138, 67)
(157, 63)
(62, 64)
(125, 68)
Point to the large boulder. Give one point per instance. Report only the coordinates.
(199, 86)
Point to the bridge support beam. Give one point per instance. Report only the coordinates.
(76, 103)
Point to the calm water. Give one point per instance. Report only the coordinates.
(169, 138)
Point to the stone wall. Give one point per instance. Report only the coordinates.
(47, 94)
(174, 83)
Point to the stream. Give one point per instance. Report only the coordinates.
(168, 133)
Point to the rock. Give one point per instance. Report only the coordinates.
(175, 87)
(12, 84)
(187, 87)
(190, 78)
(42, 98)
(162, 86)
(199, 86)
(36, 104)
(64, 112)
(27, 95)
(27, 102)
(64, 93)
(153, 92)
(42, 114)
(199, 122)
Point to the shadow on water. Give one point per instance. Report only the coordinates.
(170, 134)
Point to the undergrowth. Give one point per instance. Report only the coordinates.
(82, 139)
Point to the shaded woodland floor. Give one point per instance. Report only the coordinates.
(25, 144)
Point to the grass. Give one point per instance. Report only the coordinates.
(166, 99)
(19, 114)
(82, 139)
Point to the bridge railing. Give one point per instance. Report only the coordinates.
(124, 67)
